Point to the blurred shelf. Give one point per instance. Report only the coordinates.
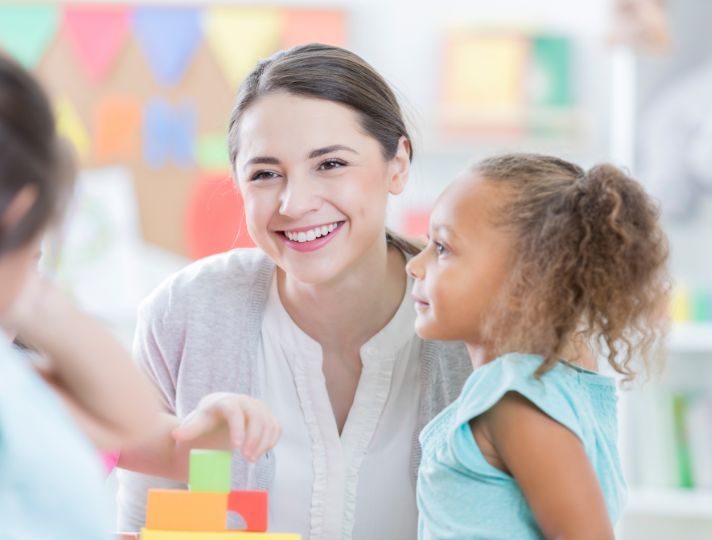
(670, 503)
(690, 337)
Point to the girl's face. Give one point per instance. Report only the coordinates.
(465, 264)
(315, 184)
(16, 265)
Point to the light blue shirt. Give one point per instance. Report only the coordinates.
(461, 496)
(50, 476)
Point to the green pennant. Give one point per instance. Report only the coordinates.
(25, 31)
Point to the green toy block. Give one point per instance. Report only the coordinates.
(210, 470)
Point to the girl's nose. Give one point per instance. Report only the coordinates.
(414, 267)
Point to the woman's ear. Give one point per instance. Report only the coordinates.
(399, 167)
(18, 208)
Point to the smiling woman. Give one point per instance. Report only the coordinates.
(317, 323)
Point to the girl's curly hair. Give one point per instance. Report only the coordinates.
(590, 261)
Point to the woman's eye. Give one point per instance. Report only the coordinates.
(263, 175)
(330, 164)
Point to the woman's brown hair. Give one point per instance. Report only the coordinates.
(31, 155)
(590, 260)
(332, 74)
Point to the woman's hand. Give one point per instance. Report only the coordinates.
(226, 420)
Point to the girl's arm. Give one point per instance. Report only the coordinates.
(222, 420)
(90, 369)
(550, 465)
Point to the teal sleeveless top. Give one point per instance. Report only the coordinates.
(461, 496)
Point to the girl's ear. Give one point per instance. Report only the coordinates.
(18, 208)
(399, 167)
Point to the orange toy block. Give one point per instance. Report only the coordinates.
(147, 534)
(252, 506)
(178, 510)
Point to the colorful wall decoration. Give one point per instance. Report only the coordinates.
(151, 87)
(512, 83)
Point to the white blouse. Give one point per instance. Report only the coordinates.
(356, 486)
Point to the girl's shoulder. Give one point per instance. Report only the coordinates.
(559, 392)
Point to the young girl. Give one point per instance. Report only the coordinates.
(50, 477)
(50, 480)
(535, 264)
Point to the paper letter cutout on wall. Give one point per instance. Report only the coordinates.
(169, 133)
(25, 31)
(118, 121)
(97, 34)
(169, 37)
(213, 153)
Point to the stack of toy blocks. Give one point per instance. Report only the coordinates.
(201, 513)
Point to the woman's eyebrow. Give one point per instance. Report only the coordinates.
(328, 149)
(268, 160)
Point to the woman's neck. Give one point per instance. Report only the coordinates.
(345, 313)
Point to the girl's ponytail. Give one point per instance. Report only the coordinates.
(590, 261)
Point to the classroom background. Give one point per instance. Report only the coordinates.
(144, 90)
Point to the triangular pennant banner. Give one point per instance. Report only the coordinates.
(70, 126)
(97, 34)
(314, 26)
(168, 36)
(169, 133)
(239, 37)
(25, 31)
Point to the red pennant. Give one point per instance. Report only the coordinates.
(97, 34)
(215, 217)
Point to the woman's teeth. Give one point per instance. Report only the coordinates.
(311, 234)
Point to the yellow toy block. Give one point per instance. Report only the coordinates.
(147, 534)
(179, 510)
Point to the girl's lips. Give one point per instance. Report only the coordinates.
(419, 303)
(312, 245)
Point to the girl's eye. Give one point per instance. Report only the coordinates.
(263, 175)
(440, 249)
(330, 164)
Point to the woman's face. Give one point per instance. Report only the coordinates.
(314, 183)
(464, 267)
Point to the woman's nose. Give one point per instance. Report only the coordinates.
(298, 198)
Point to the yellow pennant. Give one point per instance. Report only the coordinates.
(239, 37)
(69, 125)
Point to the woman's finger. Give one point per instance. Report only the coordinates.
(255, 426)
(269, 438)
(194, 425)
(232, 412)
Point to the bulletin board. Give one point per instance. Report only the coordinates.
(152, 88)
